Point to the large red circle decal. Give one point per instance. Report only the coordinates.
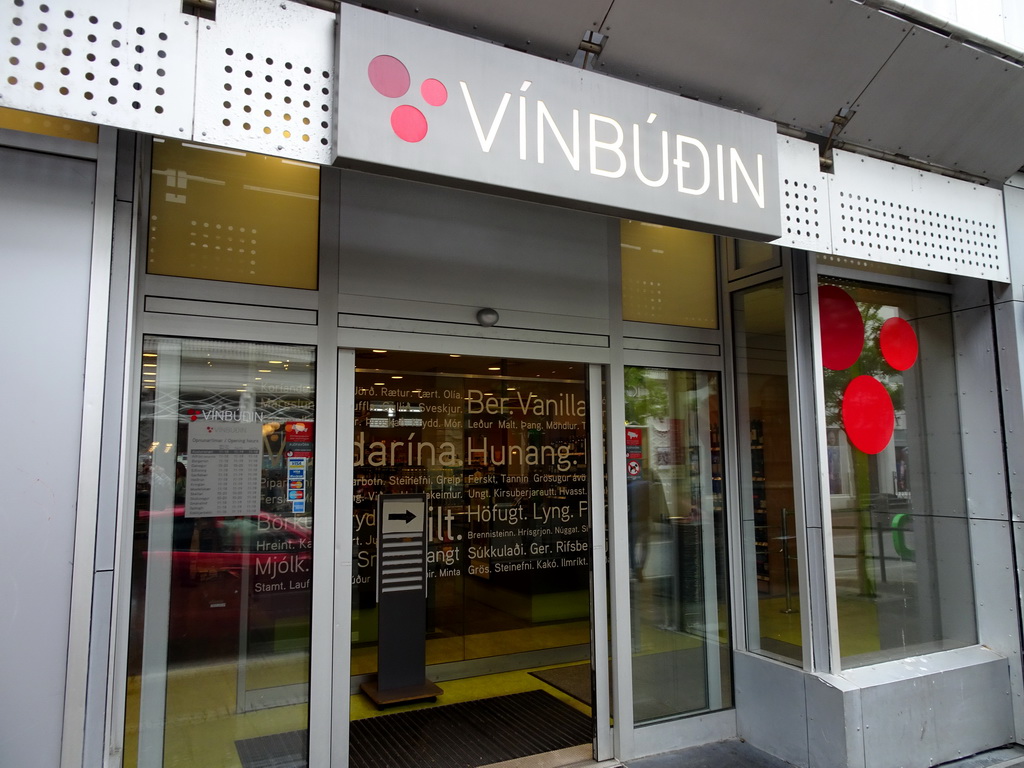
(408, 123)
(842, 328)
(898, 343)
(868, 415)
(388, 76)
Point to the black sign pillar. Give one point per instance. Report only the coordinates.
(401, 602)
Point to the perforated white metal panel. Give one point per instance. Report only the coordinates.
(265, 79)
(261, 78)
(122, 63)
(899, 215)
(803, 192)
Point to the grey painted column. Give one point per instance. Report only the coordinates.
(1008, 311)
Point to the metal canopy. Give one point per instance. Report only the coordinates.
(797, 62)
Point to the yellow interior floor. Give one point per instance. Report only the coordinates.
(202, 724)
(858, 623)
(472, 689)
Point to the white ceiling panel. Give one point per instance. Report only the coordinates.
(541, 27)
(946, 103)
(792, 61)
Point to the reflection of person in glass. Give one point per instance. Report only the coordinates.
(646, 504)
(180, 481)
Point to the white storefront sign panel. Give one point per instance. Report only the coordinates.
(880, 212)
(425, 103)
(121, 63)
(429, 103)
(899, 215)
(266, 81)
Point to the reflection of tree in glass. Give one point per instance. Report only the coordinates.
(870, 363)
(646, 398)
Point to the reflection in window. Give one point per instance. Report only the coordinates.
(678, 588)
(499, 448)
(895, 472)
(668, 275)
(221, 214)
(222, 556)
(771, 585)
(747, 257)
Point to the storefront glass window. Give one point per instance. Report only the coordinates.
(771, 583)
(222, 554)
(222, 214)
(494, 452)
(895, 472)
(677, 542)
(668, 275)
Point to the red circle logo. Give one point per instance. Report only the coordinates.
(868, 415)
(390, 78)
(898, 343)
(842, 328)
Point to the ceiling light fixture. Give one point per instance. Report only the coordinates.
(487, 317)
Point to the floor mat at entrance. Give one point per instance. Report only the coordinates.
(280, 750)
(469, 733)
(573, 680)
(460, 735)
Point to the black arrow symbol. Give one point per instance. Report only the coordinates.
(407, 516)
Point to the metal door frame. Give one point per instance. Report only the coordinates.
(336, 665)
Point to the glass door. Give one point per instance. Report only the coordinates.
(677, 535)
(219, 630)
(472, 558)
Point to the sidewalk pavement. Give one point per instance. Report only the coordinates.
(735, 753)
(723, 754)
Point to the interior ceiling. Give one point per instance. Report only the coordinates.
(912, 92)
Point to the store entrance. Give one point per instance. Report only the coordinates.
(473, 533)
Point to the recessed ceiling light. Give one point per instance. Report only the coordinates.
(379, 351)
(275, 362)
(264, 370)
(494, 368)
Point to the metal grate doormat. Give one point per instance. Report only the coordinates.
(469, 734)
(461, 735)
(281, 750)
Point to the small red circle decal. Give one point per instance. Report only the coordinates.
(868, 414)
(842, 328)
(388, 76)
(434, 92)
(898, 343)
(409, 123)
